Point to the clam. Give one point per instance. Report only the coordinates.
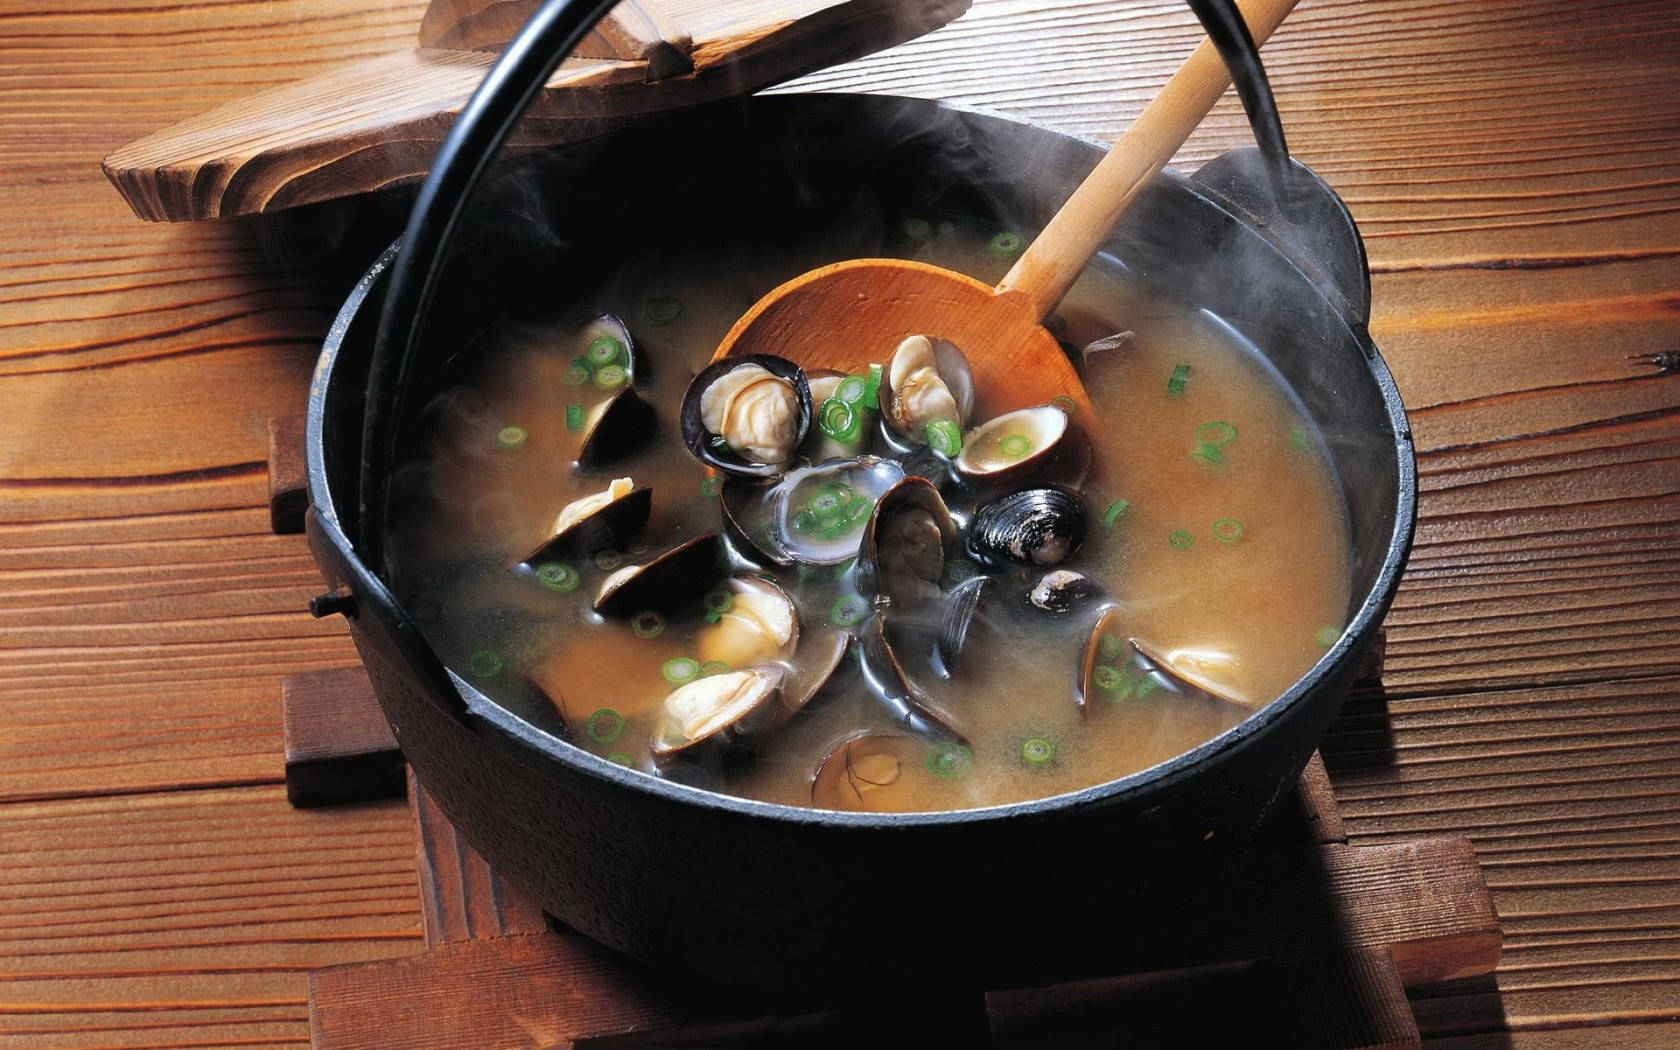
(820, 657)
(610, 518)
(617, 427)
(868, 772)
(666, 583)
(1059, 590)
(747, 415)
(606, 355)
(927, 381)
(956, 616)
(1037, 526)
(903, 550)
(1117, 667)
(749, 517)
(1029, 444)
(721, 710)
(753, 622)
(907, 702)
(820, 513)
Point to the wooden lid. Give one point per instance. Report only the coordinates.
(378, 122)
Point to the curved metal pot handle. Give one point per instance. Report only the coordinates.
(475, 140)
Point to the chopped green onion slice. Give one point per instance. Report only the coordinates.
(804, 521)
(1006, 243)
(858, 508)
(1327, 635)
(574, 417)
(619, 758)
(714, 617)
(839, 420)
(872, 387)
(605, 726)
(719, 600)
(579, 371)
(1107, 678)
(1065, 403)
(1208, 454)
(836, 527)
(663, 309)
(1179, 538)
(610, 377)
(1144, 686)
(680, 669)
(1217, 433)
(604, 350)
(1180, 377)
(484, 664)
(830, 501)
(608, 560)
(711, 667)
(852, 390)
(647, 624)
(1298, 439)
(712, 487)
(1037, 752)
(1227, 530)
(1111, 647)
(944, 437)
(1014, 446)
(510, 437)
(557, 576)
(848, 610)
(917, 229)
(1115, 512)
(946, 759)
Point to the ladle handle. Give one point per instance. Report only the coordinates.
(1043, 273)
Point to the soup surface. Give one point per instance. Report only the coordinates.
(1214, 544)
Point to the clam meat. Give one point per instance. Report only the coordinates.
(720, 710)
(752, 621)
(927, 381)
(747, 415)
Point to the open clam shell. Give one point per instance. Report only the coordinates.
(956, 616)
(748, 510)
(720, 710)
(611, 525)
(759, 408)
(907, 702)
(618, 426)
(926, 380)
(821, 657)
(753, 621)
(1114, 666)
(1029, 444)
(902, 554)
(820, 513)
(867, 772)
(606, 354)
(665, 584)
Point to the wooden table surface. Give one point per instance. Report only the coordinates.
(1515, 168)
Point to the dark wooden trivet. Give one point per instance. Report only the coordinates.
(1311, 948)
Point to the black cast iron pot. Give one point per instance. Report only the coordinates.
(750, 894)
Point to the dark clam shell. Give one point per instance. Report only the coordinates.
(1037, 526)
(745, 705)
(1055, 449)
(622, 424)
(749, 518)
(956, 616)
(702, 442)
(1060, 590)
(820, 657)
(907, 702)
(666, 583)
(1093, 655)
(612, 326)
(884, 566)
(611, 526)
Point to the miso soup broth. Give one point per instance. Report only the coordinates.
(1213, 536)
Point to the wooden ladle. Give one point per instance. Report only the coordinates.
(849, 314)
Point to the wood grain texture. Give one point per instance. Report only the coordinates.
(376, 123)
(288, 476)
(1514, 165)
(461, 899)
(339, 748)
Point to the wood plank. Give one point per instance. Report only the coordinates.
(461, 898)
(339, 747)
(189, 917)
(288, 475)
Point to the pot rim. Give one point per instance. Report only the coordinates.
(545, 746)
